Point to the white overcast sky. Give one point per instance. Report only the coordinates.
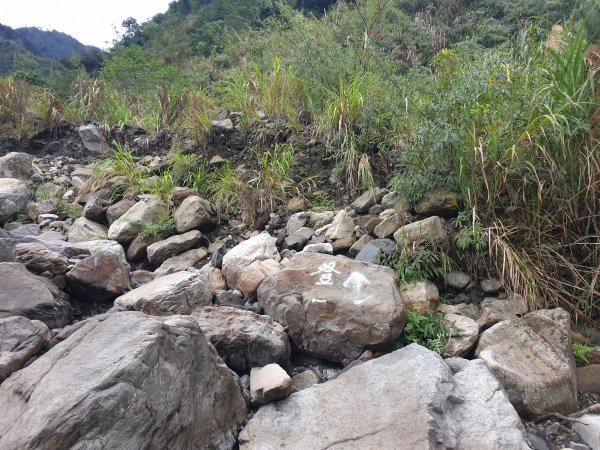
(90, 22)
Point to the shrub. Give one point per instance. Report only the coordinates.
(431, 330)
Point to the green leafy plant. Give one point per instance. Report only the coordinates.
(65, 209)
(164, 228)
(470, 235)
(431, 330)
(417, 263)
(580, 352)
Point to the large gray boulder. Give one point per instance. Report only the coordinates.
(146, 212)
(405, 400)
(14, 196)
(193, 213)
(20, 340)
(431, 230)
(38, 258)
(258, 248)
(532, 356)
(126, 381)
(16, 165)
(334, 307)
(242, 338)
(31, 296)
(178, 293)
(160, 251)
(84, 229)
(92, 138)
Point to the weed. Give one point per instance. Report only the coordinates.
(321, 201)
(431, 330)
(163, 185)
(470, 235)
(65, 209)
(164, 228)
(580, 352)
(181, 165)
(417, 263)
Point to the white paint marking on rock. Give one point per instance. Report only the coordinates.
(356, 281)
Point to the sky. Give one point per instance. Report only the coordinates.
(90, 22)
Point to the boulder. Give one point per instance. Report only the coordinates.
(36, 209)
(532, 356)
(491, 285)
(324, 247)
(457, 280)
(367, 199)
(304, 380)
(298, 239)
(334, 307)
(242, 338)
(269, 384)
(494, 310)
(138, 278)
(27, 295)
(181, 262)
(178, 293)
(137, 249)
(374, 249)
(359, 245)
(14, 196)
(149, 211)
(96, 206)
(341, 226)
(258, 248)
(369, 406)
(390, 225)
(438, 202)
(20, 340)
(38, 258)
(193, 213)
(421, 296)
(124, 380)
(91, 138)
(215, 277)
(7, 250)
(222, 126)
(588, 378)
(16, 165)
(255, 273)
(84, 229)
(464, 335)
(427, 230)
(25, 230)
(113, 212)
(162, 250)
(588, 428)
(102, 276)
(179, 194)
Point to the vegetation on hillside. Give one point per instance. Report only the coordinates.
(494, 101)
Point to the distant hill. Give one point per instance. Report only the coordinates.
(34, 50)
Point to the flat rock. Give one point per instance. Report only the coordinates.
(255, 273)
(258, 248)
(162, 250)
(31, 296)
(84, 229)
(127, 381)
(532, 356)
(20, 340)
(14, 196)
(409, 389)
(269, 384)
(181, 262)
(373, 249)
(242, 338)
(149, 211)
(178, 293)
(334, 307)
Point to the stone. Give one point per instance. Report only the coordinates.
(490, 285)
(324, 247)
(36, 209)
(181, 262)
(588, 378)
(229, 298)
(96, 206)
(149, 211)
(421, 296)
(344, 243)
(430, 230)
(7, 250)
(193, 213)
(14, 196)
(588, 428)
(113, 212)
(177, 293)
(334, 307)
(38, 258)
(20, 340)
(258, 248)
(532, 356)
(372, 251)
(296, 204)
(31, 296)
(84, 229)
(462, 309)
(124, 380)
(298, 239)
(160, 251)
(396, 201)
(341, 226)
(494, 310)
(242, 338)
(390, 225)
(24, 230)
(179, 194)
(411, 389)
(138, 278)
(438, 202)
(254, 274)
(359, 245)
(101, 277)
(16, 165)
(304, 380)
(464, 335)
(138, 247)
(91, 138)
(269, 384)
(367, 199)
(224, 125)
(215, 277)
(457, 280)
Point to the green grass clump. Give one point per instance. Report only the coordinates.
(431, 330)
(164, 228)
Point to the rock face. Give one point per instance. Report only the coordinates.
(258, 248)
(84, 229)
(101, 277)
(126, 227)
(13, 197)
(410, 389)
(532, 355)
(193, 213)
(27, 295)
(242, 338)
(178, 293)
(334, 307)
(20, 339)
(160, 251)
(16, 165)
(142, 382)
